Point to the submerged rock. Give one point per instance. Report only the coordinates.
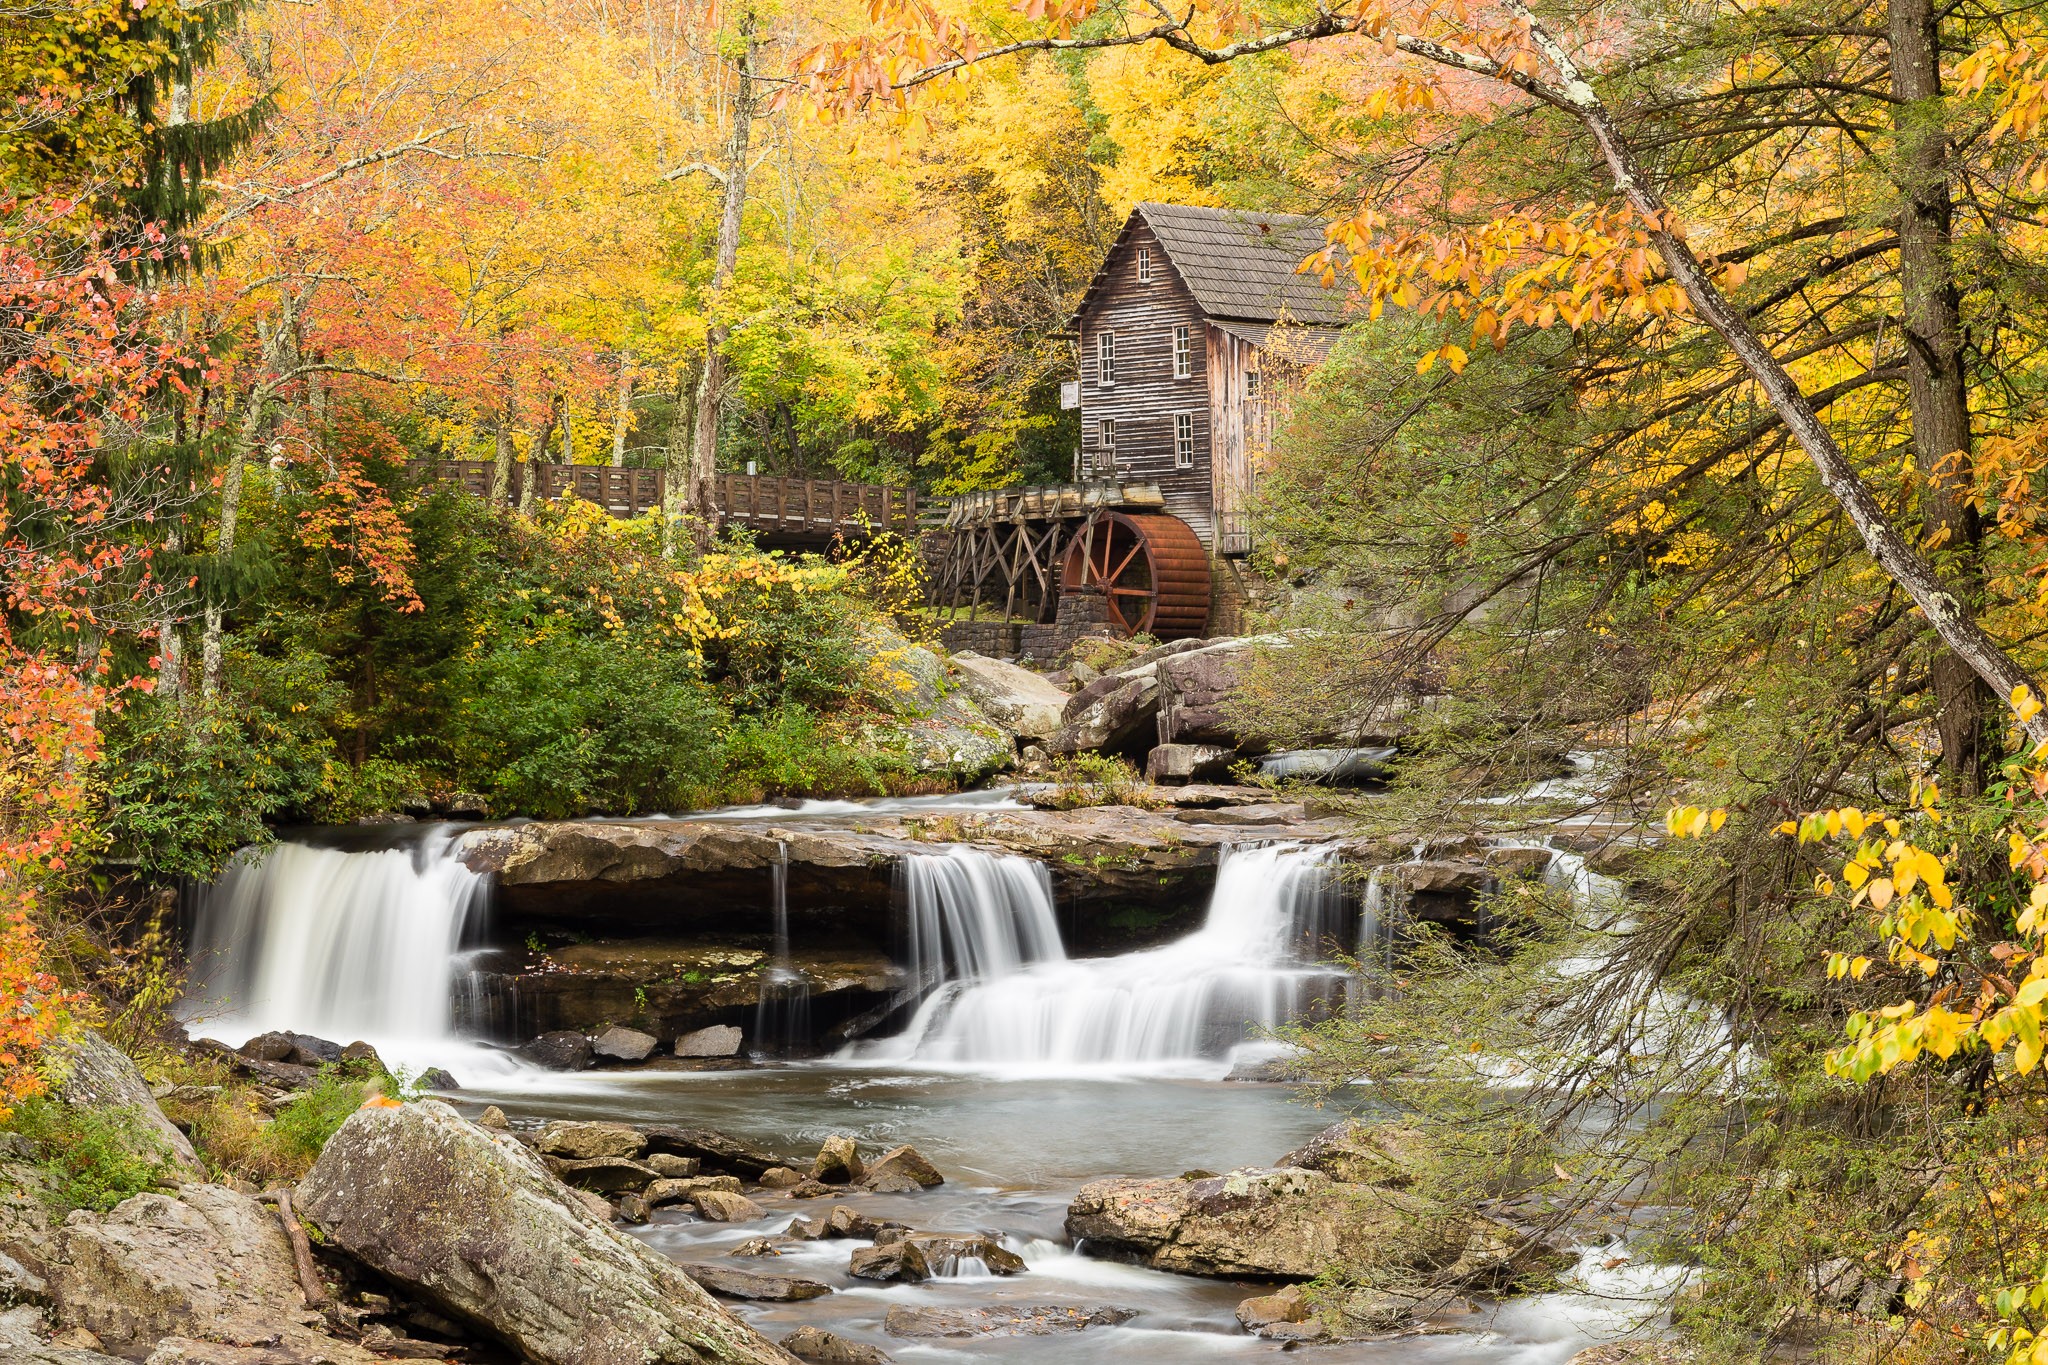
(561, 1050)
(901, 1170)
(1036, 1321)
(607, 1174)
(718, 1151)
(944, 1252)
(902, 1262)
(843, 1221)
(471, 1222)
(624, 1044)
(816, 1346)
(732, 1283)
(1289, 1223)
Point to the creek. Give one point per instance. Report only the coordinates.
(1021, 1072)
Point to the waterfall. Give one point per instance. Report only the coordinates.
(343, 945)
(974, 916)
(1181, 1008)
(782, 1015)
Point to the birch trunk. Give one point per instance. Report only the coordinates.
(623, 416)
(711, 385)
(675, 484)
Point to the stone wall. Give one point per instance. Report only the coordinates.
(996, 639)
(1080, 614)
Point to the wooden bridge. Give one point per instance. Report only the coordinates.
(810, 511)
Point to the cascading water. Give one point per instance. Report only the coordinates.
(782, 1017)
(1179, 1008)
(343, 945)
(974, 916)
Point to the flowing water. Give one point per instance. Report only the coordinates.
(1022, 1007)
(1020, 1071)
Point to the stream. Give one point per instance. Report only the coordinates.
(1020, 1072)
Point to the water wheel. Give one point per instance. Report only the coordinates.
(1149, 568)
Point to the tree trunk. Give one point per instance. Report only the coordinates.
(568, 426)
(711, 385)
(1952, 621)
(675, 484)
(170, 645)
(623, 416)
(1932, 307)
(501, 461)
(224, 545)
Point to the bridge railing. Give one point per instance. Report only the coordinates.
(803, 507)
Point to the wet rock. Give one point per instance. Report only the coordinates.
(589, 1141)
(808, 1188)
(816, 1346)
(561, 1050)
(468, 806)
(720, 1040)
(1110, 713)
(671, 1167)
(1187, 762)
(718, 1151)
(470, 1222)
(1290, 1223)
(1037, 1321)
(268, 1047)
(729, 1282)
(902, 1262)
(899, 1171)
(1362, 1153)
(1288, 1315)
(756, 1246)
(723, 1206)
(944, 1252)
(91, 1073)
(838, 1161)
(844, 1221)
(677, 1191)
(210, 1265)
(781, 1178)
(624, 1045)
(493, 1117)
(632, 1208)
(607, 1174)
(1022, 702)
(434, 1078)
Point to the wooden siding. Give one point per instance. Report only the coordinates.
(1229, 357)
(1146, 396)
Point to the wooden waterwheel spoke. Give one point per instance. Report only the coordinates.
(1135, 548)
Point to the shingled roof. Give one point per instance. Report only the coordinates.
(1240, 263)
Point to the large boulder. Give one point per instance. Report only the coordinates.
(1363, 1153)
(1195, 687)
(210, 1266)
(1289, 1223)
(624, 1044)
(1022, 702)
(470, 1221)
(1111, 713)
(561, 1050)
(574, 1141)
(91, 1073)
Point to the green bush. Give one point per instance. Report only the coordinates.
(789, 750)
(294, 1139)
(569, 725)
(94, 1158)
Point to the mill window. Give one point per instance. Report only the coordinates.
(1183, 353)
(1183, 440)
(1105, 360)
(1105, 446)
(1144, 265)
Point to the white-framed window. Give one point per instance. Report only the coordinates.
(1105, 446)
(1144, 265)
(1183, 440)
(1183, 353)
(1105, 360)
(1251, 384)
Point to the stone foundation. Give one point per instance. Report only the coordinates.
(996, 639)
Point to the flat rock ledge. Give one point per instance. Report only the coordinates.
(472, 1222)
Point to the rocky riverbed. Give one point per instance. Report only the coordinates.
(779, 1214)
